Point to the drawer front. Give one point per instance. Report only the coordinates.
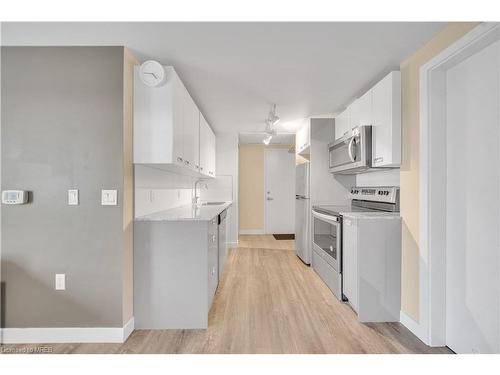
(213, 266)
(212, 225)
(328, 274)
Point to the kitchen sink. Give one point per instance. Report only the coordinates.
(212, 203)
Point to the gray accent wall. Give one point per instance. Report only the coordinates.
(62, 128)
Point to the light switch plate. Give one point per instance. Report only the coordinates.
(60, 281)
(73, 197)
(109, 197)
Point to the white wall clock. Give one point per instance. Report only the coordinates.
(152, 73)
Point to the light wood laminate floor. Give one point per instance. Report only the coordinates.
(268, 301)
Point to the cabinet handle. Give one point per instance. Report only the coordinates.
(179, 158)
(197, 166)
(213, 237)
(201, 168)
(186, 162)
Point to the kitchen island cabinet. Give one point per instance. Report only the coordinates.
(176, 260)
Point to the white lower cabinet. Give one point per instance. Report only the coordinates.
(350, 263)
(372, 266)
(213, 260)
(175, 273)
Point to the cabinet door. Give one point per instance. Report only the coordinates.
(361, 111)
(178, 121)
(213, 260)
(190, 133)
(299, 140)
(211, 153)
(342, 124)
(349, 261)
(204, 140)
(303, 138)
(386, 130)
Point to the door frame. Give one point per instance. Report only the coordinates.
(431, 328)
(266, 150)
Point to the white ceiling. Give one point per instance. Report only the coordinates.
(235, 71)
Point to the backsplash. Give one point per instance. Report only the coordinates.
(158, 190)
(148, 201)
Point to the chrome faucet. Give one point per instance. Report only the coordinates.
(196, 198)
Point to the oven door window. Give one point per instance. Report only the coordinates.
(326, 236)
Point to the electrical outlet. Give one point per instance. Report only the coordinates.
(73, 197)
(109, 197)
(60, 281)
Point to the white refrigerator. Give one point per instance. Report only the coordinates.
(302, 213)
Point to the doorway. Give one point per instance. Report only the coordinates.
(279, 191)
(460, 194)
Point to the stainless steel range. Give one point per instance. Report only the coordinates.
(327, 229)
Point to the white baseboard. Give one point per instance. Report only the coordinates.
(252, 231)
(67, 335)
(413, 326)
(128, 328)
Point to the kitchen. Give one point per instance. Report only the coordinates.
(219, 205)
(165, 116)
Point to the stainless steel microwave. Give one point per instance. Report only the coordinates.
(353, 152)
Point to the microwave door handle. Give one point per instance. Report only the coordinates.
(349, 150)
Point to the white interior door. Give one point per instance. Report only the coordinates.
(279, 191)
(473, 203)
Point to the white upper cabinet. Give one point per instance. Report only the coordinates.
(191, 133)
(167, 128)
(379, 107)
(386, 123)
(342, 123)
(303, 139)
(207, 148)
(212, 149)
(361, 111)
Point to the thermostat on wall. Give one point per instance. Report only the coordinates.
(14, 197)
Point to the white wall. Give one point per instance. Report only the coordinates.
(225, 186)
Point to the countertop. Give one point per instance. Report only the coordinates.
(186, 213)
(371, 215)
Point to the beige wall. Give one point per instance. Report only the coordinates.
(128, 186)
(251, 186)
(410, 161)
(251, 197)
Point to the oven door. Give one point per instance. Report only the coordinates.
(351, 153)
(327, 238)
